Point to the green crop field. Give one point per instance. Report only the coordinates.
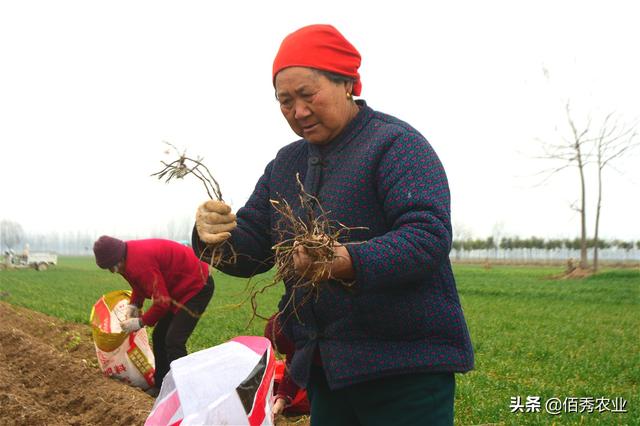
(538, 341)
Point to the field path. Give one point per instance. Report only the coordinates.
(49, 375)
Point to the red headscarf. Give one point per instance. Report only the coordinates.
(321, 47)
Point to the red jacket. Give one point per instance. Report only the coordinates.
(167, 272)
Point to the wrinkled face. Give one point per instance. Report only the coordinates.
(316, 108)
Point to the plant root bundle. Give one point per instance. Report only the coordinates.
(184, 166)
(317, 234)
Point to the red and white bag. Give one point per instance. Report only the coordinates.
(228, 384)
(126, 357)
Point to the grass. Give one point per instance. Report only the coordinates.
(70, 289)
(533, 335)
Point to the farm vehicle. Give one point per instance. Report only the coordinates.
(37, 261)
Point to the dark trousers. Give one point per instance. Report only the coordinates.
(171, 333)
(411, 399)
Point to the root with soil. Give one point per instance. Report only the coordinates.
(312, 231)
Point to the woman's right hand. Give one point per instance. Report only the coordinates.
(214, 222)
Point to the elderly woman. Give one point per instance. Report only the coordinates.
(385, 349)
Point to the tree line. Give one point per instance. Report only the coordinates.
(512, 243)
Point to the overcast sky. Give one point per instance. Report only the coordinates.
(89, 90)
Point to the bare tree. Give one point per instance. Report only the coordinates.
(572, 153)
(11, 233)
(614, 141)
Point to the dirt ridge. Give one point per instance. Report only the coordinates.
(49, 375)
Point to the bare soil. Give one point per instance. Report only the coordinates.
(49, 375)
(577, 273)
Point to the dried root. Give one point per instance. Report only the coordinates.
(313, 231)
(184, 166)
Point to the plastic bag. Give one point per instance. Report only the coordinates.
(127, 357)
(231, 383)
